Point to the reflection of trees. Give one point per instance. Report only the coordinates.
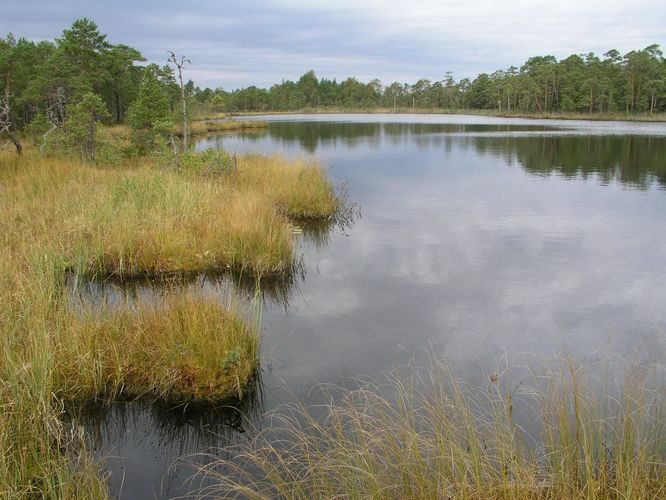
(311, 135)
(632, 160)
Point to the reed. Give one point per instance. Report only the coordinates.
(553, 432)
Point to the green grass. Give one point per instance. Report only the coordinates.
(554, 432)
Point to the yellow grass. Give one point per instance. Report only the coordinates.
(185, 347)
(210, 126)
(553, 432)
(62, 216)
(146, 220)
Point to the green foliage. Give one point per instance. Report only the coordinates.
(208, 162)
(80, 130)
(37, 127)
(149, 114)
(45, 77)
(635, 83)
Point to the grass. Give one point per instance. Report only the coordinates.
(144, 220)
(61, 216)
(551, 432)
(199, 127)
(186, 347)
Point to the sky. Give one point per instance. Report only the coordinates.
(234, 44)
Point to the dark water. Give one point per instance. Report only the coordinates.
(479, 237)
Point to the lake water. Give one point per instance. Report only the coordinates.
(479, 238)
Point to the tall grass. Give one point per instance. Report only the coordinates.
(146, 220)
(300, 189)
(555, 432)
(40, 456)
(183, 348)
(216, 125)
(62, 216)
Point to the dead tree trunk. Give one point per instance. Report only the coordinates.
(179, 65)
(55, 114)
(6, 122)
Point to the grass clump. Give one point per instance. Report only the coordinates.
(555, 433)
(211, 126)
(184, 348)
(300, 188)
(145, 220)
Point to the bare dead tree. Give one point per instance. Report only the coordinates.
(55, 113)
(6, 122)
(179, 64)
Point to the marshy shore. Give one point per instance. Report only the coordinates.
(63, 216)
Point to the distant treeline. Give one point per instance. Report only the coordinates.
(39, 80)
(633, 83)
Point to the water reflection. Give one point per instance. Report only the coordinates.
(140, 441)
(113, 291)
(632, 159)
(479, 243)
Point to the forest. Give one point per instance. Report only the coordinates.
(633, 83)
(40, 80)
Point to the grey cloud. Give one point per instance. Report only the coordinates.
(235, 44)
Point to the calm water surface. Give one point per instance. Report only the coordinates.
(479, 237)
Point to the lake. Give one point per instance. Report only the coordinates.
(478, 239)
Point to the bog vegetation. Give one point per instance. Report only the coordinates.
(84, 200)
(548, 429)
(103, 187)
(160, 215)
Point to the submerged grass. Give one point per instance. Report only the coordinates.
(62, 216)
(555, 433)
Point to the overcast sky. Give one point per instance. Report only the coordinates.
(239, 43)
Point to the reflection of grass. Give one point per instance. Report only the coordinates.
(427, 434)
(175, 429)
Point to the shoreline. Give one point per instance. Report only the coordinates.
(614, 117)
